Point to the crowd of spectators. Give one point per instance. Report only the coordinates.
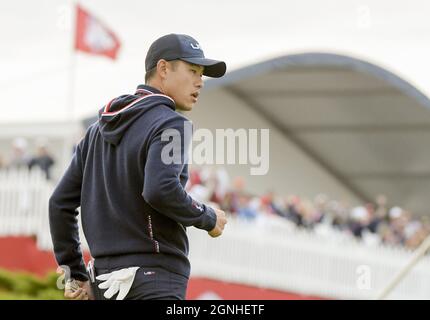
(20, 157)
(374, 223)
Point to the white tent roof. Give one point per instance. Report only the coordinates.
(365, 126)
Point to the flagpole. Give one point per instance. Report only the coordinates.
(70, 81)
(70, 104)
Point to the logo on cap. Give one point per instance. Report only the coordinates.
(195, 46)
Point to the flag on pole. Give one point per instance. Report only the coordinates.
(93, 37)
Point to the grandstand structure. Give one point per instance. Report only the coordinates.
(338, 124)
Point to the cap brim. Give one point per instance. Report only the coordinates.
(213, 68)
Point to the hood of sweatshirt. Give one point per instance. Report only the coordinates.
(120, 113)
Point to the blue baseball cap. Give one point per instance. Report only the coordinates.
(185, 48)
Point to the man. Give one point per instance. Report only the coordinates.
(133, 204)
(43, 160)
(20, 157)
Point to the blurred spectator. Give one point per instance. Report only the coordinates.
(293, 210)
(377, 215)
(414, 233)
(222, 184)
(248, 209)
(20, 158)
(268, 200)
(43, 160)
(358, 221)
(321, 207)
(373, 223)
(194, 178)
(397, 222)
(200, 186)
(387, 235)
(339, 215)
(232, 200)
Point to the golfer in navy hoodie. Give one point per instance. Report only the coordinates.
(133, 204)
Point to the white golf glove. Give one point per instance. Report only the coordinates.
(120, 280)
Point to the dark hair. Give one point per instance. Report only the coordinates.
(149, 74)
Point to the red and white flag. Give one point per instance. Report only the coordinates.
(94, 37)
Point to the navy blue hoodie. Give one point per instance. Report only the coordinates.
(134, 207)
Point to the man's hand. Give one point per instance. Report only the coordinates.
(75, 289)
(78, 290)
(221, 220)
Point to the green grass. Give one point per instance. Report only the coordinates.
(26, 286)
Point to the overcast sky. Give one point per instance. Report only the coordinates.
(36, 39)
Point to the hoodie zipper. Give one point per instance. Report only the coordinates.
(151, 235)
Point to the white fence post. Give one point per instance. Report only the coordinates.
(24, 198)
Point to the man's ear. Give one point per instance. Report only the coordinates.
(162, 68)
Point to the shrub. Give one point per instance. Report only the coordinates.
(26, 286)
